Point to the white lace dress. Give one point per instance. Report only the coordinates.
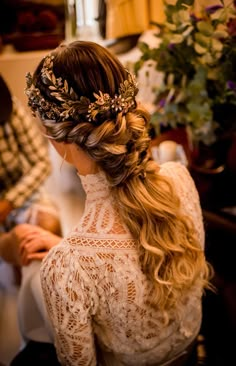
(95, 290)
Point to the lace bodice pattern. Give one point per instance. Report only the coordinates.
(94, 287)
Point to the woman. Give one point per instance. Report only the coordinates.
(125, 286)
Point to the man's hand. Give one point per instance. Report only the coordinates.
(35, 242)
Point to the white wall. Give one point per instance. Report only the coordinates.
(15, 65)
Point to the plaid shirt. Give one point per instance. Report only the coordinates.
(24, 157)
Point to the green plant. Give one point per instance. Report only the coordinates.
(196, 53)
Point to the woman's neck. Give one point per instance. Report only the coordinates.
(83, 163)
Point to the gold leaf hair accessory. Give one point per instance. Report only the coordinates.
(67, 105)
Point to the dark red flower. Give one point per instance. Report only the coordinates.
(194, 17)
(213, 8)
(232, 27)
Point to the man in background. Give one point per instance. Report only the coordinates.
(24, 168)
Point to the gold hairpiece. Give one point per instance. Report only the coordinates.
(67, 104)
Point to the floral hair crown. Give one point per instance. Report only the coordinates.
(69, 106)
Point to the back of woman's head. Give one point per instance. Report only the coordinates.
(87, 67)
(85, 96)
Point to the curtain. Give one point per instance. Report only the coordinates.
(127, 17)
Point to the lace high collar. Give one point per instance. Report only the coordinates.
(95, 185)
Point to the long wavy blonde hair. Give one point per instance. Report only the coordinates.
(170, 253)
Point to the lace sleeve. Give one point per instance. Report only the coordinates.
(188, 194)
(70, 306)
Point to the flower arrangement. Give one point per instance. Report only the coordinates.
(196, 54)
